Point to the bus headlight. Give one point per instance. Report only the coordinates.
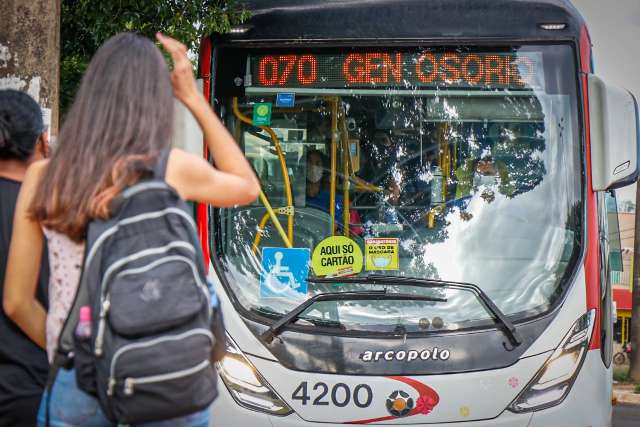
(552, 382)
(246, 385)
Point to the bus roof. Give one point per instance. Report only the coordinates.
(450, 21)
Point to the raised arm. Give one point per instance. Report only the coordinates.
(23, 266)
(232, 181)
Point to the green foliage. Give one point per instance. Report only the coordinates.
(86, 24)
(71, 70)
(637, 389)
(621, 374)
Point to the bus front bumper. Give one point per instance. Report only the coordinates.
(225, 412)
(588, 404)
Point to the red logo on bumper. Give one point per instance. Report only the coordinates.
(426, 401)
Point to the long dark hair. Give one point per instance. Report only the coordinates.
(120, 121)
(20, 125)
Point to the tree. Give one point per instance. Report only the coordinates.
(30, 49)
(86, 24)
(634, 336)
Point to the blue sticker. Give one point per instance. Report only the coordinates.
(284, 272)
(287, 99)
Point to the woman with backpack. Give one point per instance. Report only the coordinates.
(23, 364)
(115, 133)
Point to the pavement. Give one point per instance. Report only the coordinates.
(624, 394)
(626, 415)
(626, 412)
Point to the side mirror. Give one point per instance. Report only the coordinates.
(187, 134)
(613, 115)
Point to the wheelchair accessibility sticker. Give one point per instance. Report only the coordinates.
(284, 272)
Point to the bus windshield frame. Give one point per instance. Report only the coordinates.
(546, 90)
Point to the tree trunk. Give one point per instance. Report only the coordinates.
(634, 336)
(30, 51)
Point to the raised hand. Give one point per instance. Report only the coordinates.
(182, 79)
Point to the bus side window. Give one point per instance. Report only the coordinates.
(615, 247)
(611, 260)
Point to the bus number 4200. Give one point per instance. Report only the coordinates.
(339, 395)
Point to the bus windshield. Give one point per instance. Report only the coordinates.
(456, 164)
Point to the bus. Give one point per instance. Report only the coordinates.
(431, 243)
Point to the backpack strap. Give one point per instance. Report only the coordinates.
(160, 167)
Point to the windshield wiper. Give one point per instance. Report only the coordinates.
(386, 280)
(325, 323)
(294, 314)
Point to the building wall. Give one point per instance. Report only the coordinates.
(626, 222)
(624, 279)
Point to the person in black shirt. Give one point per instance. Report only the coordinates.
(23, 364)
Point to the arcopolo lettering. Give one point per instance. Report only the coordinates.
(402, 355)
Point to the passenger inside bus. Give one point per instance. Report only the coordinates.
(319, 197)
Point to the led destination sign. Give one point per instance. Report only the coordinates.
(399, 70)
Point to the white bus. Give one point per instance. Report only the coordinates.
(431, 242)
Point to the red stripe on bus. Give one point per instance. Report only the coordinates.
(201, 210)
(592, 259)
(427, 399)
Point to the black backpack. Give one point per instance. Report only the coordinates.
(156, 328)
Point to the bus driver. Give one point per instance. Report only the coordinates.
(317, 195)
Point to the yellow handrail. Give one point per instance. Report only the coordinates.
(276, 222)
(332, 184)
(444, 162)
(445, 166)
(346, 212)
(261, 225)
(285, 175)
(361, 185)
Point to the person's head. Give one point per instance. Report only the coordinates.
(23, 136)
(120, 120)
(381, 137)
(315, 166)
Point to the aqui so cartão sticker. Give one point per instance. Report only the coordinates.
(382, 253)
(284, 272)
(337, 256)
